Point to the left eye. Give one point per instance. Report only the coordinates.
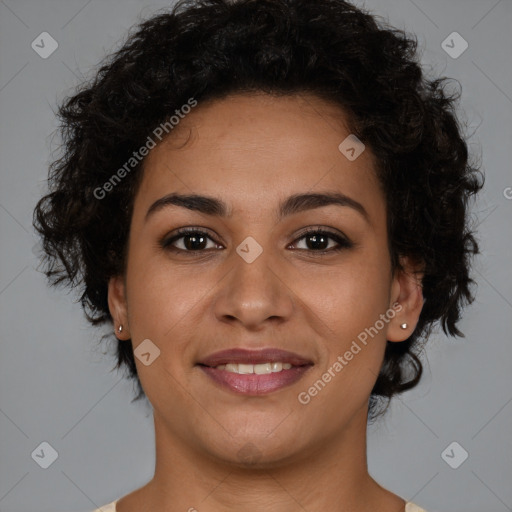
(318, 241)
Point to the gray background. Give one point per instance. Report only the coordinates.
(55, 379)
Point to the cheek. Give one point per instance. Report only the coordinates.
(347, 304)
(158, 299)
(162, 299)
(162, 305)
(347, 298)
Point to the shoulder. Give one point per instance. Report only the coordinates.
(111, 507)
(411, 507)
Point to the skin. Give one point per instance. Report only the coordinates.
(253, 151)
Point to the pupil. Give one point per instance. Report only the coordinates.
(193, 239)
(316, 240)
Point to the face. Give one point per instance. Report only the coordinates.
(285, 266)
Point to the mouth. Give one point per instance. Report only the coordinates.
(254, 372)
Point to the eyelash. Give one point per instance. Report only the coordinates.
(343, 243)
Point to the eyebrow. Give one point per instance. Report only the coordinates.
(293, 204)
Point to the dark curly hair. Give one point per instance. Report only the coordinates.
(208, 49)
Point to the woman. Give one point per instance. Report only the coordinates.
(268, 201)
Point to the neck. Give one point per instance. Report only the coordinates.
(330, 476)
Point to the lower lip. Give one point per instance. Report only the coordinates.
(253, 384)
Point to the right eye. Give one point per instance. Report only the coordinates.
(191, 240)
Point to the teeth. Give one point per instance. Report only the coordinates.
(261, 369)
(276, 367)
(258, 369)
(245, 368)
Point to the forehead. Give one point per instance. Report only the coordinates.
(253, 149)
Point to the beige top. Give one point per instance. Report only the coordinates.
(111, 507)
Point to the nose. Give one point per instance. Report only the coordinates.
(255, 293)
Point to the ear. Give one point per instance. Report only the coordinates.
(407, 295)
(118, 307)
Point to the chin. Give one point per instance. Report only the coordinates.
(257, 451)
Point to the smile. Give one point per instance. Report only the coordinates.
(259, 369)
(250, 372)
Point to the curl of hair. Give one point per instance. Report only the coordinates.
(208, 49)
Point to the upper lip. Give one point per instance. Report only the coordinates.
(245, 356)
